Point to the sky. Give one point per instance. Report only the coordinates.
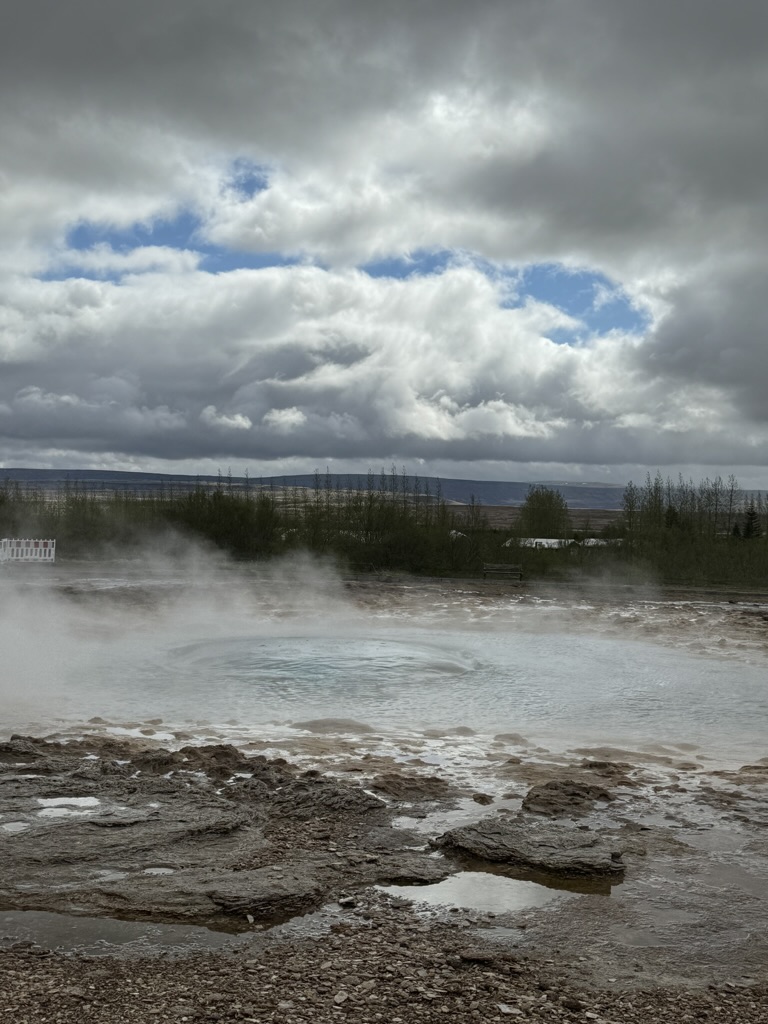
(511, 239)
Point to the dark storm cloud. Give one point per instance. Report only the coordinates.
(717, 333)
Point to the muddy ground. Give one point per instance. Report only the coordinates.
(310, 883)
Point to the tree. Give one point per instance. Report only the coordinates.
(652, 503)
(731, 501)
(544, 513)
(751, 521)
(630, 504)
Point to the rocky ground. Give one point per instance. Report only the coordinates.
(664, 876)
(392, 968)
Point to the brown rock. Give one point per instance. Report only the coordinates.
(564, 797)
(410, 788)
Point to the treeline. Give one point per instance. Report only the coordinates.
(709, 533)
(393, 524)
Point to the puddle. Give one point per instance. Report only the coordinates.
(110, 875)
(674, 916)
(68, 801)
(14, 826)
(109, 936)
(637, 937)
(314, 925)
(66, 806)
(104, 936)
(480, 890)
(499, 888)
(465, 812)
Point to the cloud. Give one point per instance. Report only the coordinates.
(284, 420)
(103, 261)
(309, 361)
(622, 142)
(212, 418)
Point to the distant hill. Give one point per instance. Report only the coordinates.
(485, 492)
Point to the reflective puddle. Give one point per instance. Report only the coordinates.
(475, 890)
(105, 935)
(109, 936)
(497, 891)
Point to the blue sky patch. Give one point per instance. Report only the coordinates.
(248, 178)
(586, 295)
(176, 233)
(419, 263)
(598, 303)
(218, 261)
(180, 232)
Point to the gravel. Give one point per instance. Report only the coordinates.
(382, 964)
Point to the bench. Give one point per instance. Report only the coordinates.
(502, 571)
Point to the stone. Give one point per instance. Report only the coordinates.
(411, 788)
(561, 849)
(574, 1005)
(564, 797)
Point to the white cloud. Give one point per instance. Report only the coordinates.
(284, 420)
(103, 260)
(577, 133)
(212, 418)
(308, 362)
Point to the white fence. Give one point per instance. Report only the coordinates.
(27, 550)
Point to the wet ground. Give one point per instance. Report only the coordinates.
(653, 872)
(142, 837)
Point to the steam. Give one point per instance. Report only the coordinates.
(183, 634)
(39, 634)
(61, 624)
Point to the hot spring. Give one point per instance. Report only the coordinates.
(239, 654)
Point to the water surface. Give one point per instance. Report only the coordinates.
(262, 654)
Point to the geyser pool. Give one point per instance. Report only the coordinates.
(248, 651)
(553, 687)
